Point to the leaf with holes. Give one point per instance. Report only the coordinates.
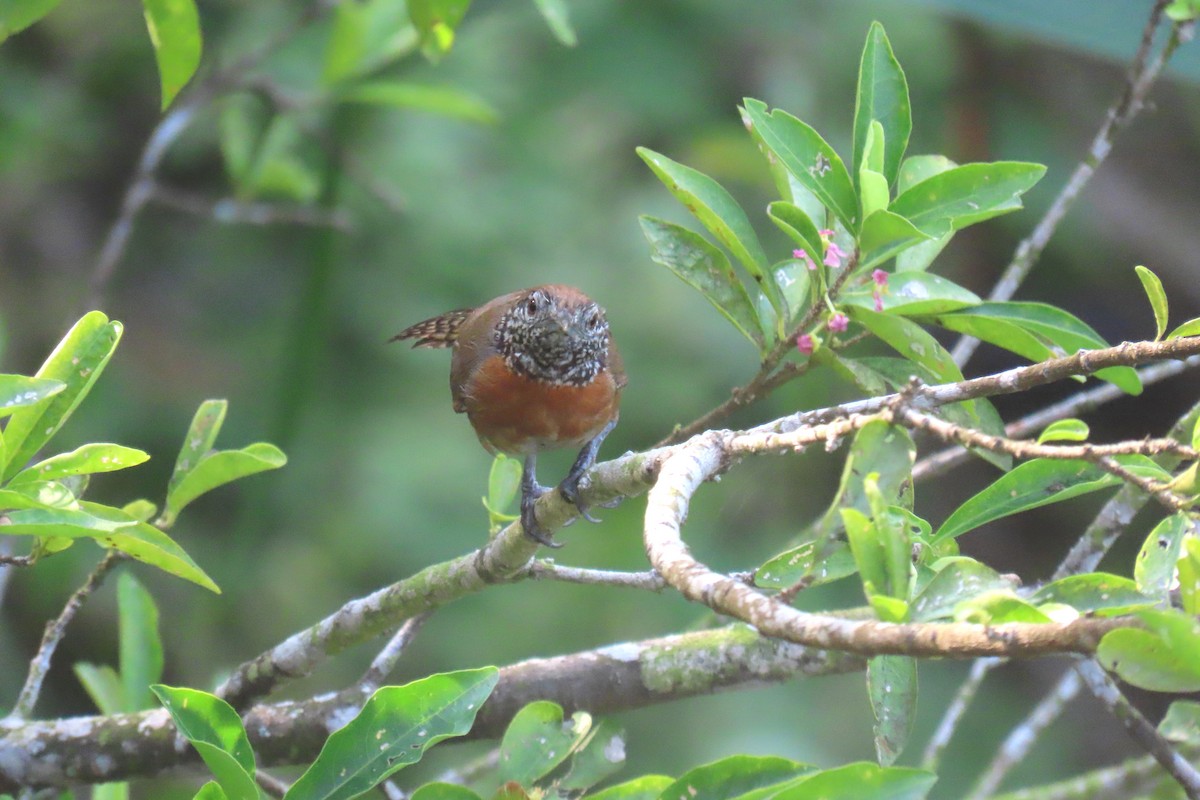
(962, 196)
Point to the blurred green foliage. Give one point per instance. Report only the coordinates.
(289, 322)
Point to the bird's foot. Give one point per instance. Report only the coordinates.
(529, 521)
(569, 489)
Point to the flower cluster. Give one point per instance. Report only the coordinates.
(881, 280)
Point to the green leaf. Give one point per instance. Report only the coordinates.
(444, 791)
(914, 294)
(809, 158)
(446, 101)
(877, 447)
(867, 550)
(704, 267)
(18, 391)
(873, 190)
(1157, 297)
(1154, 569)
(557, 17)
(913, 170)
(141, 649)
(1035, 483)
(1064, 330)
(647, 787)
(601, 754)
(997, 607)
(215, 730)
(77, 361)
(1064, 430)
(219, 468)
(796, 223)
(734, 776)
(211, 791)
(200, 438)
(882, 97)
(1189, 328)
(103, 685)
(1165, 657)
(909, 340)
(85, 460)
(117, 791)
(504, 479)
(884, 235)
(956, 579)
(17, 15)
(1189, 576)
(892, 687)
(719, 213)
(395, 727)
(110, 528)
(962, 196)
(278, 169)
(538, 740)
(1181, 723)
(1180, 11)
(436, 22)
(862, 781)
(174, 27)
(1095, 593)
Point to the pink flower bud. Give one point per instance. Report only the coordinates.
(805, 344)
(838, 322)
(880, 277)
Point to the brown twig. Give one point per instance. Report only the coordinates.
(55, 630)
(1140, 78)
(244, 212)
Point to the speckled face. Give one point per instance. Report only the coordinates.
(550, 339)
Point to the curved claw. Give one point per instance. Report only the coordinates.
(570, 492)
(530, 525)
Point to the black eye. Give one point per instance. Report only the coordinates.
(533, 304)
(595, 321)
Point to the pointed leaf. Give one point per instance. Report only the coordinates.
(884, 235)
(964, 195)
(862, 781)
(200, 438)
(913, 170)
(882, 96)
(211, 791)
(1095, 593)
(873, 186)
(1189, 328)
(795, 222)
(909, 340)
(913, 294)
(17, 16)
(1154, 569)
(174, 27)
(395, 727)
(892, 686)
(77, 361)
(219, 468)
(1030, 485)
(18, 391)
(1161, 658)
(706, 268)
(558, 19)
(538, 740)
(110, 528)
(1064, 430)
(956, 579)
(215, 730)
(809, 158)
(85, 460)
(1181, 722)
(103, 685)
(719, 213)
(600, 755)
(1189, 575)
(734, 776)
(1157, 297)
(140, 646)
(647, 787)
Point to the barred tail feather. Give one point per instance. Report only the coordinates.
(439, 331)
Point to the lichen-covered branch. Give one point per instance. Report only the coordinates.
(623, 676)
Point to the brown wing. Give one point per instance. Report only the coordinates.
(439, 331)
(474, 343)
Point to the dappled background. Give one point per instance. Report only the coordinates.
(289, 322)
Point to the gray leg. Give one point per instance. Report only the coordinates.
(531, 490)
(569, 488)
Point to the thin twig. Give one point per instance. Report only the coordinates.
(270, 784)
(233, 211)
(951, 458)
(1140, 78)
(766, 379)
(55, 630)
(385, 662)
(1138, 727)
(1023, 737)
(956, 710)
(545, 569)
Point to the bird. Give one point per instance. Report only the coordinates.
(533, 370)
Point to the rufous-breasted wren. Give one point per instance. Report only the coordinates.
(533, 370)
